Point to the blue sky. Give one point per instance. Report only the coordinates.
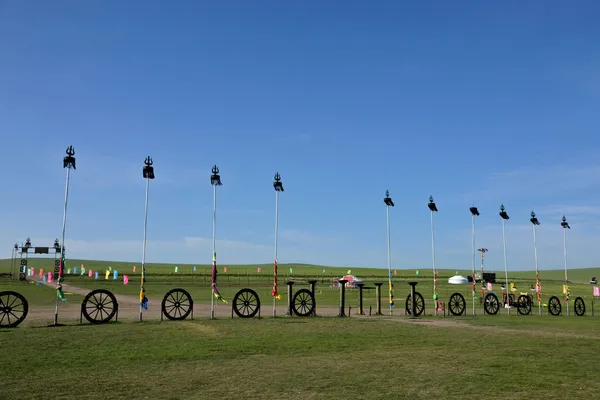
(468, 101)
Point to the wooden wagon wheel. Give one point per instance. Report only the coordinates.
(13, 309)
(303, 303)
(491, 305)
(177, 304)
(246, 303)
(579, 307)
(524, 305)
(99, 306)
(554, 306)
(457, 304)
(419, 305)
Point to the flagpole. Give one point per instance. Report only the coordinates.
(432, 209)
(215, 180)
(474, 212)
(538, 287)
(504, 217)
(148, 173)
(389, 203)
(565, 225)
(278, 186)
(68, 163)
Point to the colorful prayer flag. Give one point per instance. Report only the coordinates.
(274, 292)
(106, 274)
(143, 298)
(417, 272)
(596, 291)
(115, 275)
(44, 278)
(489, 286)
(349, 272)
(176, 269)
(90, 273)
(75, 270)
(125, 279)
(213, 284)
(41, 272)
(50, 277)
(194, 268)
(224, 269)
(134, 268)
(82, 270)
(259, 270)
(96, 276)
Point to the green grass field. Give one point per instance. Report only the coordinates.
(378, 357)
(311, 358)
(161, 278)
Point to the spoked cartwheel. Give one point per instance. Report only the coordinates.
(177, 304)
(457, 304)
(246, 303)
(579, 307)
(419, 304)
(491, 305)
(554, 306)
(99, 306)
(13, 309)
(303, 303)
(524, 305)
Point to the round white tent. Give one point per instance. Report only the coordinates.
(458, 280)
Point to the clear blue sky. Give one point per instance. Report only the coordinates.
(467, 101)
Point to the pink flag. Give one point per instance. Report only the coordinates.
(224, 269)
(125, 279)
(596, 291)
(41, 272)
(489, 286)
(134, 269)
(90, 273)
(259, 269)
(32, 271)
(50, 276)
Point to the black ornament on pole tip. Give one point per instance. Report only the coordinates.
(215, 178)
(564, 223)
(431, 204)
(56, 246)
(148, 170)
(16, 246)
(27, 243)
(277, 184)
(474, 211)
(502, 212)
(69, 160)
(534, 219)
(387, 199)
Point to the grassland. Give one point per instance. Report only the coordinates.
(311, 358)
(380, 357)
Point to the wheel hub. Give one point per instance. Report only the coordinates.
(177, 304)
(246, 303)
(99, 306)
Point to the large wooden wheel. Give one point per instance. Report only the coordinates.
(579, 307)
(524, 305)
(491, 305)
(419, 305)
(457, 304)
(554, 306)
(99, 306)
(177, 304)
(303, 303)
(13, 309)
(246, 303)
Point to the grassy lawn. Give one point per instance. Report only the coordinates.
(312, 358)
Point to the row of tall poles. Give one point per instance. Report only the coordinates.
(215, 181)
(475, 213)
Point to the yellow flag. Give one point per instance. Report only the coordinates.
(106, 275)
(564, 289)
(349, 272)
(512, 287)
